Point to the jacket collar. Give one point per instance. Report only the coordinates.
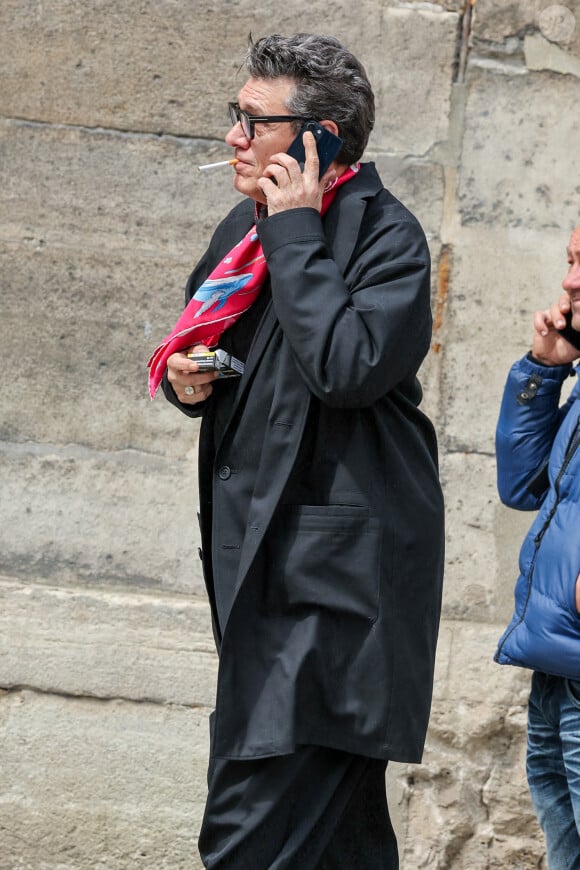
(344, 217)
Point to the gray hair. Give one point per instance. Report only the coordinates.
(331, 84)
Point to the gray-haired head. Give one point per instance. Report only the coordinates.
(331, 84)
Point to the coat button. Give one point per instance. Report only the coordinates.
(225, 472)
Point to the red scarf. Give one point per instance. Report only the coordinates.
(231, 288)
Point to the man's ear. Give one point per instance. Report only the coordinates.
(330, 126)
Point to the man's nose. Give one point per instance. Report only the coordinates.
(572, 279)
(235, 137)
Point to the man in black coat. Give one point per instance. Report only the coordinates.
(320, 505)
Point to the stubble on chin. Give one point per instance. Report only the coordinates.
(248, 187)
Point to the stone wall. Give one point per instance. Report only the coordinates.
(107, 666)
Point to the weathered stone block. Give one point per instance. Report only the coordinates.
(419, 185)
(100, 191)
(70, 516)
(541, 54)
(91, 322)
(496, 21)
(497, 280)
(482, 543)
(107, 644)
(144, 66)
(106, 256)
(470, 572)
(412, 85)
(464, 664)
(518, 131)
(93, 785)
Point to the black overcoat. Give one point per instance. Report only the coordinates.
(321, 511)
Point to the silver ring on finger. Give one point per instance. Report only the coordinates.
(189, 391)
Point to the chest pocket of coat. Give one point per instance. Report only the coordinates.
(323, 556)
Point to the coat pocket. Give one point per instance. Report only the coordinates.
(324, 556)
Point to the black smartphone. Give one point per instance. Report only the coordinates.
(327, 144)
(569, 333)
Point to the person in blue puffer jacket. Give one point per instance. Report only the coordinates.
(538, 461)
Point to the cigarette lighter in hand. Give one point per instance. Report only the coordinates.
(219, 361)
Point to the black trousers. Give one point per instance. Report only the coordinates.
(317, 809)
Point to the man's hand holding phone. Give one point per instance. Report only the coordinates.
(296, 183)
(554, 341)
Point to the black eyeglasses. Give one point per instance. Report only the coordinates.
(248, 121)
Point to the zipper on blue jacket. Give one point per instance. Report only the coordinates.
(573, 445)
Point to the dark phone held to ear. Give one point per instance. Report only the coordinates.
(327, 144)
(569, 333)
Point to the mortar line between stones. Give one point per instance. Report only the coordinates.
(17, 689)
(48, 449)
(179, 601)
(458, 451)
(180, 138)
(463, 40)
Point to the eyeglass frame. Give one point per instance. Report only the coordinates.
(237, 116)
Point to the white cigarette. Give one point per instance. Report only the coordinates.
(231, 162)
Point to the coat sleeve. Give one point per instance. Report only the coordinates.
(529, 419)
(354, 336)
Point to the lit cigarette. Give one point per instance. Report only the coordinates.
(231, 162)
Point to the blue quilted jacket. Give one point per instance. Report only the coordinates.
(538, 460)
